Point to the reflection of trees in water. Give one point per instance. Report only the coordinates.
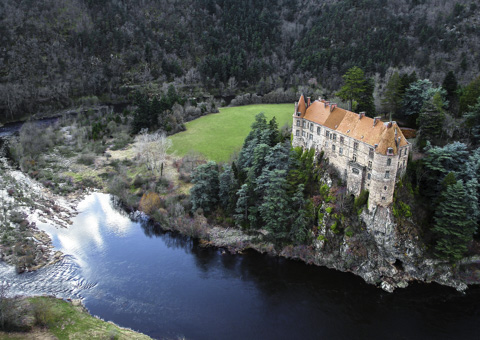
(120, 208)
(151, 229)
(170, 239)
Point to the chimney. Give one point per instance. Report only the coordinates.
(326, 104)
(375, 120)
(319, 99)
(398, 140)
(333, 106)
(361, 115)
(308, 101)
(389, 125)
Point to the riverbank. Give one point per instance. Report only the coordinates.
(52, 318)
(385, 251)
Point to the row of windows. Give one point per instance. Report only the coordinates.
(369, 176)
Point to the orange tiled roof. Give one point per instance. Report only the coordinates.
(350, 124)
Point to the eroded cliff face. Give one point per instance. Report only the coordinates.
(388, 254)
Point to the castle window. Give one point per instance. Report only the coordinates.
(355, 171)
(389, 161)
(327, 134)
(311, 127)
(354, 157)
(403, 163)
(333, 147)
(340, 151)
(298, 122)
(304, 123)
(371, 152)
(369, 176)
(385, 187)
(355, 145)
(318, 130)
(383, 198)
(390, 151)
(303, 133)
(310, 136)
(334, 136)
(297, 133)
(387, 174)
(342, 140)
(369, 164)
(406, 151)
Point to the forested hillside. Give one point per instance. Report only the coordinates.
(55, 54)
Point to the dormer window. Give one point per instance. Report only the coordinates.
(390, 151)
(299, 113)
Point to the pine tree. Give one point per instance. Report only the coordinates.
(392, 98)
(453, 227)
(470, 95)
(299, 227)
(366, 103)
(354, 85)
(241, 209)
(430, 120)
(275, 210)
(227, 186)
(450, 85)
(473, 122)
(204, 193)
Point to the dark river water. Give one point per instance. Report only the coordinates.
(166, 286)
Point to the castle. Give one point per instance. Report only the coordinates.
(369, 154)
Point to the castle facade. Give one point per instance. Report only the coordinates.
(368, 154)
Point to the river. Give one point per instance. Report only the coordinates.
(167, 286)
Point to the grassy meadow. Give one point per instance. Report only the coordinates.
(217, 136)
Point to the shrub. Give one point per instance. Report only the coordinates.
(86, 159)
(150, 202)
(361, 200)
(42, 312)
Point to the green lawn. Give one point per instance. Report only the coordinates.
(219, 135)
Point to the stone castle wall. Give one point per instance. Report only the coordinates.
(357, 162)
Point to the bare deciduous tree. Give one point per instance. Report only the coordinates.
(152, 149)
